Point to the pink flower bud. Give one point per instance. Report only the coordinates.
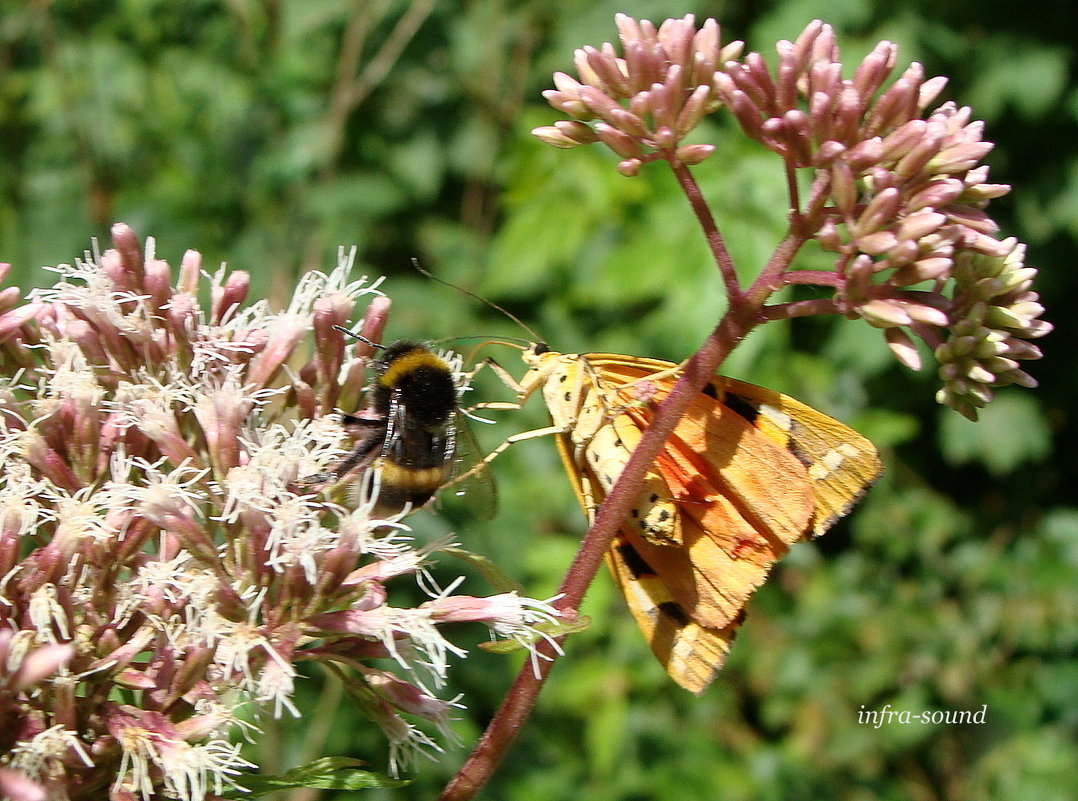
(828, 152)
(14, 786)
(864, 155)
(926, 314)
(884, 313)
(694, 110)
(959, 158)
(903, 139)
(628, 28)
(621, 143)
(693, 154)
(920, 224)
(821, 115)
(12, 321)
(773, 134)
(604, 65)
(230, 296)
(759, 78)
(747, 113)
(576, 131)
(129, 252)
(804, 47)
(553, 136)
(584, 69)
(40, 663)
(9, 298)
(929, 90)
(876, 243)
(847, 120)
(190, 272)
(796, 125)
(938, 193)
(788, 72)
(878, 213)
(707, 45)
(874, 69)
(902, 347)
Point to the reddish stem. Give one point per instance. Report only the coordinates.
(697, 371)
(715, 242)
(801, 308)
(821, 277)
(746, 310)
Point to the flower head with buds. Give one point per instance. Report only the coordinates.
(641, 105)
(158, 551)
(898, 194)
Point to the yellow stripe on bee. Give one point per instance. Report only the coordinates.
(409, 362)
(411, 478)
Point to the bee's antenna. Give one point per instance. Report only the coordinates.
(360, 337)
(480, 298)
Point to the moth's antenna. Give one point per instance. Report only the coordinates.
(480, 298)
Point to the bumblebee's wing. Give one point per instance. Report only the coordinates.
(477, 489)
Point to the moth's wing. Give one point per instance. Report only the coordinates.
(690, 653)
(746, 473)
(841, 464)
(740, 499)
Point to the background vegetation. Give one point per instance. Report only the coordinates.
(265, 134)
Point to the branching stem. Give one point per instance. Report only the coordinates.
(746, 310)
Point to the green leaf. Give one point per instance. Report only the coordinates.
(487, 569)
(1031, 80)
(559, 629)
(329, 773)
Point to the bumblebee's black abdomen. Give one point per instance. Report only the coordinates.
(420, 448)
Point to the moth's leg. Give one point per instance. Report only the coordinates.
(509, 441)
(523, 389)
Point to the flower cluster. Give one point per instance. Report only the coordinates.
(898, 196)
(161, 564)
(666, 80)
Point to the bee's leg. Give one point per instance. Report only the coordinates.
(491, 405)
(370, 436)
(359, 458)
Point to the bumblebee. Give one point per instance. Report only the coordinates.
(410, 430)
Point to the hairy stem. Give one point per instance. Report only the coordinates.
(819, 277)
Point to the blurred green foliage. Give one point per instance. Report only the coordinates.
(265, 134)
